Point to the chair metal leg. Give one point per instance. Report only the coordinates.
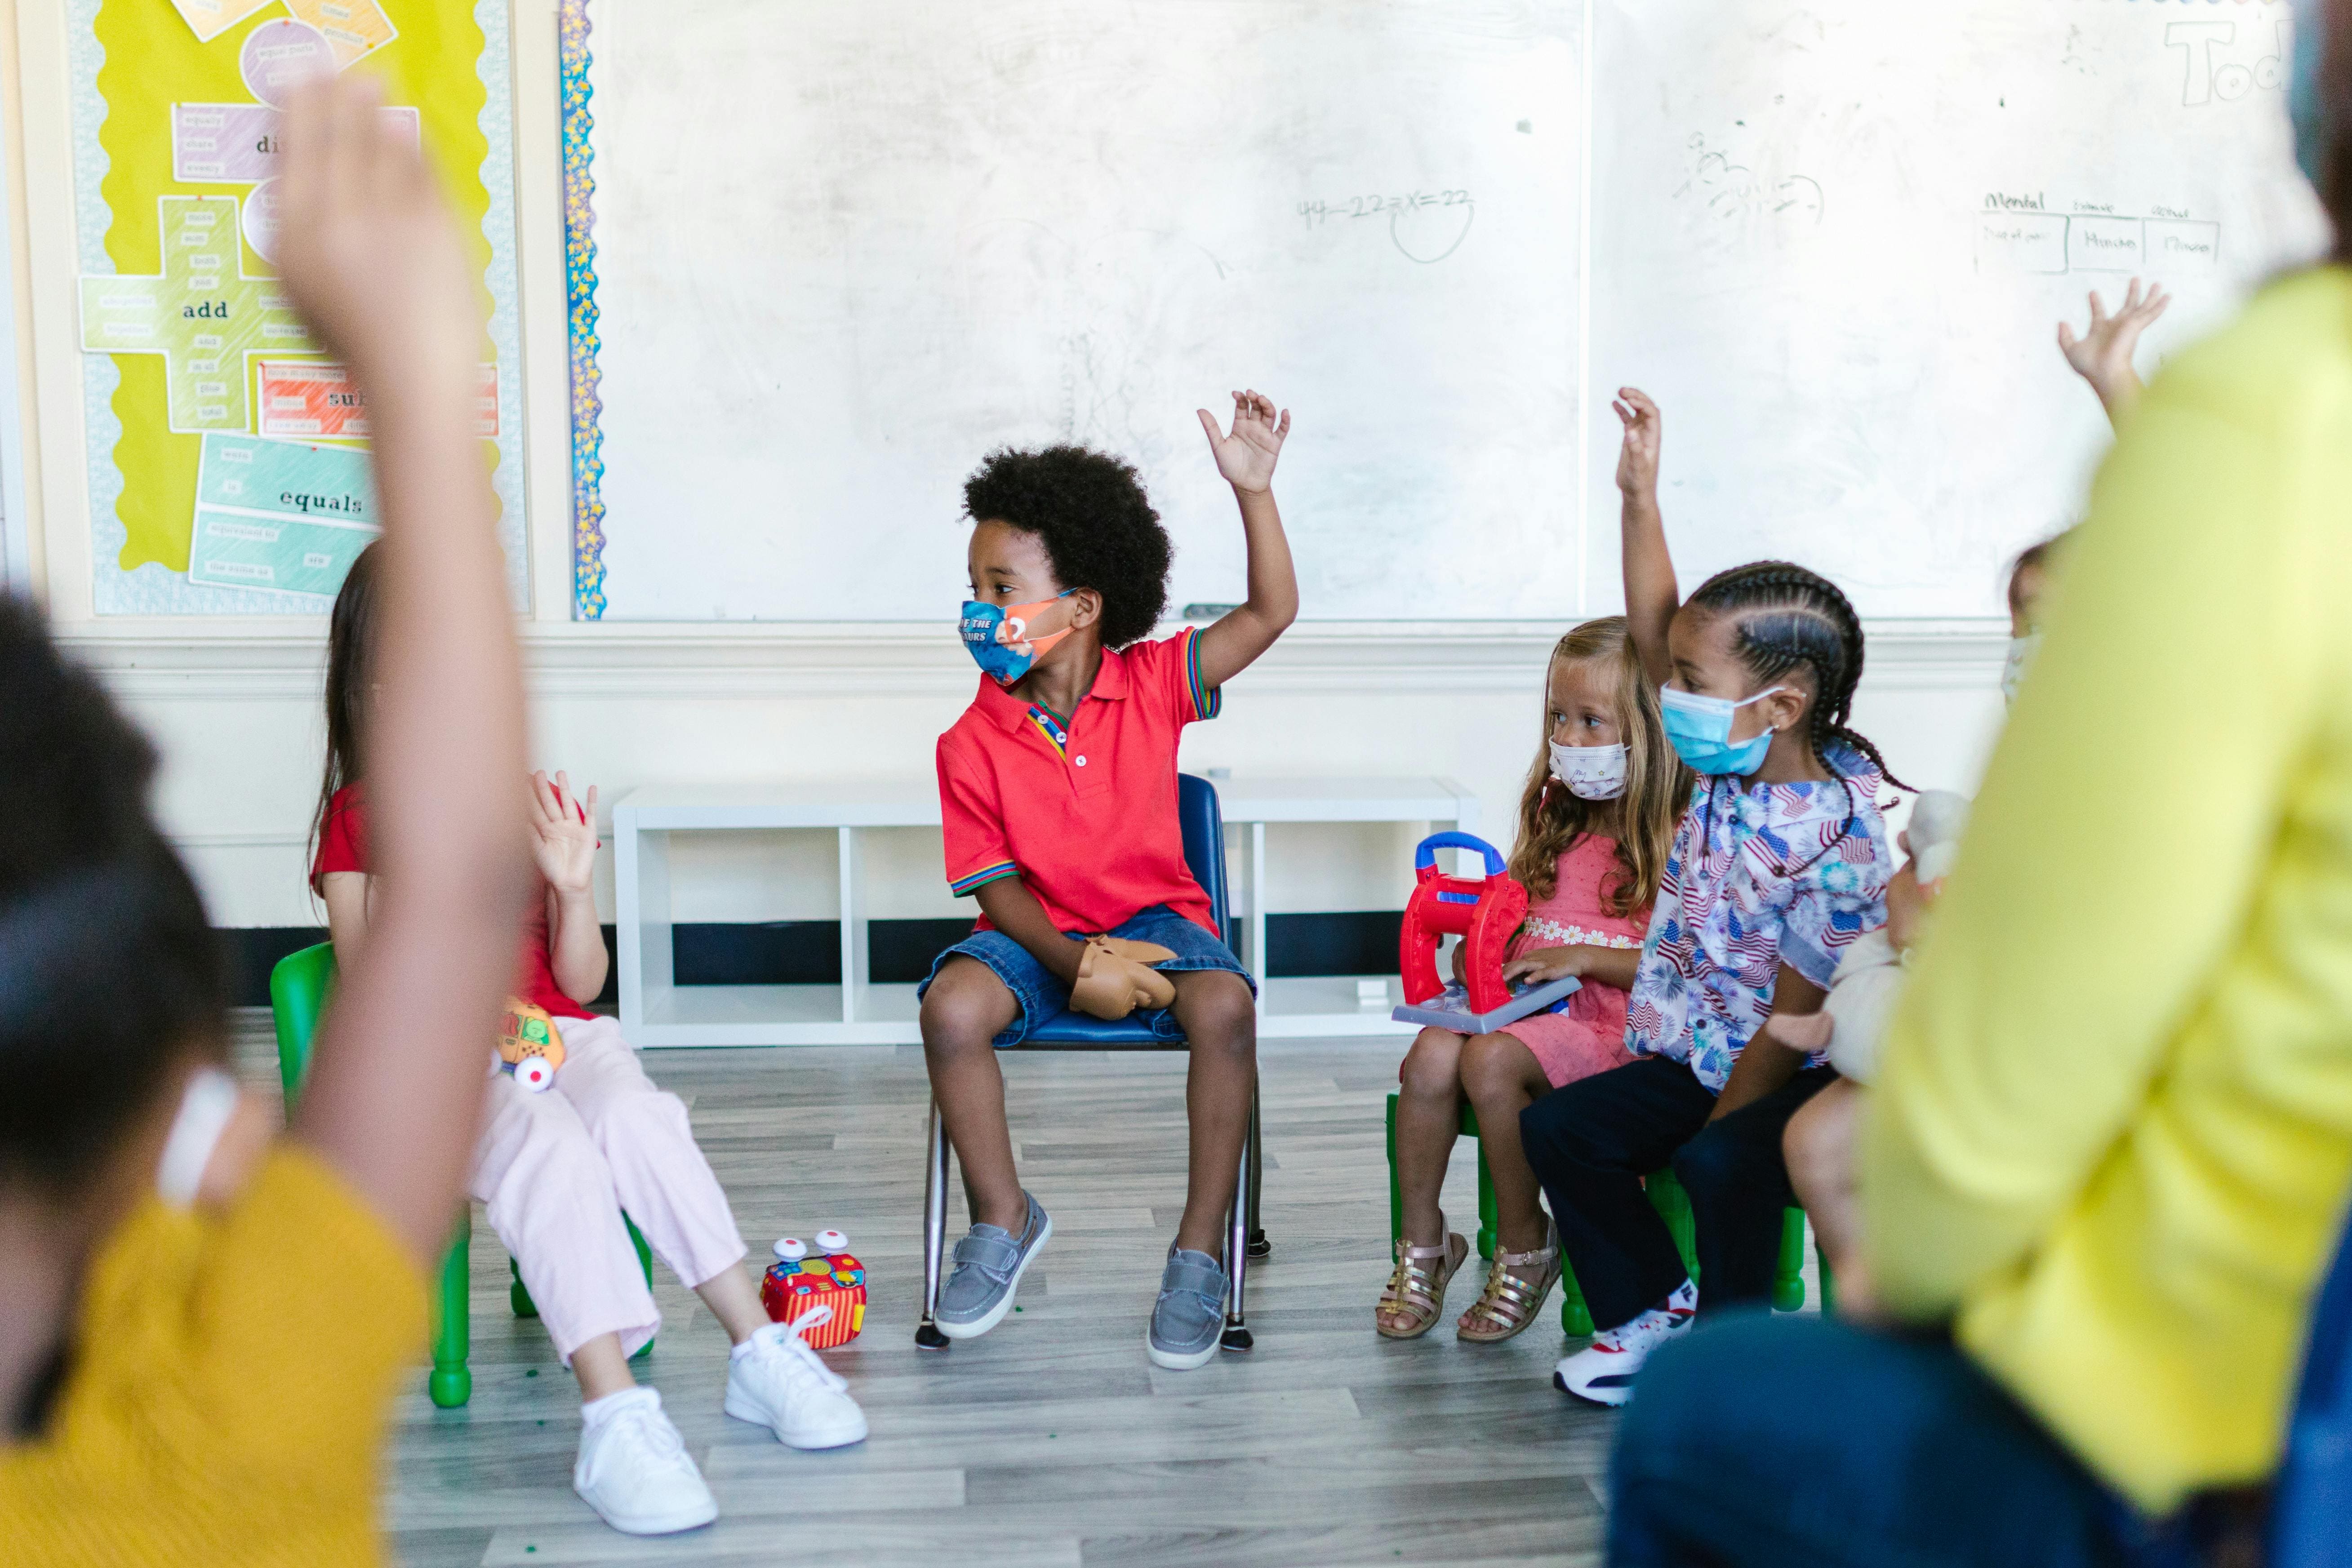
(1237, 1250)
(1259, 1246)
(935, 1231)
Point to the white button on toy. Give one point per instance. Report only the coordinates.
(1082, 761)
(830, 1241)
(791, 1250)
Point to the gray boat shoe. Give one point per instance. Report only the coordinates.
(989, 1263)
(1189, 1319)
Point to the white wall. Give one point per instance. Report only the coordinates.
(234, 706)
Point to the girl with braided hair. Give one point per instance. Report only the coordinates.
(1778, 865)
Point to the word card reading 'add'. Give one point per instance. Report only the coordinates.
(202, 314)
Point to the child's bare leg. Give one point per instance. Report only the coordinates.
(1219, 1017)
(734, 1300)
(1502, 1078)
(601, 1367)
(965, 1009)
(1818, 1146)
(1428, 1119)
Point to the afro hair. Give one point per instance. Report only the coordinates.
(1097, 526)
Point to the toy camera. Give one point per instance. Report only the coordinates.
(1485, 914)
(796, 1282)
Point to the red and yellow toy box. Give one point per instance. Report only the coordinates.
(799, 1280)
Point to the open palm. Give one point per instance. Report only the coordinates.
(1246, 456)
(2102, 355)
(564, 833)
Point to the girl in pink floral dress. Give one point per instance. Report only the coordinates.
(1596, 821)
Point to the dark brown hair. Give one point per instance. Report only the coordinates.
(2335, 181)
(350, 673)
(110, 973)
(1552, 817)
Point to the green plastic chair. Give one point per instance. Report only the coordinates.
(299, 988)
(1667, 1195)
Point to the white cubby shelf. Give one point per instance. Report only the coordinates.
(657, 1011)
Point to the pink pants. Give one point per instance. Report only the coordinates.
(556, 1170)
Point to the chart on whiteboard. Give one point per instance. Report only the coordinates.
(841, 255)
(1835, 239)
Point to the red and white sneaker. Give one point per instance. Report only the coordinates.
(1603, 1371)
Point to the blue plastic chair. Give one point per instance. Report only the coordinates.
(1205, 852)
(2310, 1507)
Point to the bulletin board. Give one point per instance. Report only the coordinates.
(226, 453)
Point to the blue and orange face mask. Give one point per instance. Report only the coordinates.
(998, 638)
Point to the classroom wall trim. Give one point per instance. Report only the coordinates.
(719, 662)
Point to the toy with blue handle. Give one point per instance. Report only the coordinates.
(1485, 913)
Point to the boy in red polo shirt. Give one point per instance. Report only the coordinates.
(1058, 788)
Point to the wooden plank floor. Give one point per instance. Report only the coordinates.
(1053, 1440)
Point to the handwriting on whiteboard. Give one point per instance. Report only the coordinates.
(1424, 226)
(2210, 74)
(2019, 234)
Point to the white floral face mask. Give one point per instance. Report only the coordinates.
(1591, 773)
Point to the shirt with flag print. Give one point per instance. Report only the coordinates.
(1761, 875)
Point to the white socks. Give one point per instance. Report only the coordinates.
(595, 1413)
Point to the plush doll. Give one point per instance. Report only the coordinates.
(1862, 998)
(1115, 977)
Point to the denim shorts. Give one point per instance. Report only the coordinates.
(1041, 995)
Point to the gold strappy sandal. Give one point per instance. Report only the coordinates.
(1414, 1293)
(1509, 1303)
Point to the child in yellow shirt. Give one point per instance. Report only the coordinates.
(200, 1329)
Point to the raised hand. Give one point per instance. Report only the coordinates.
(564, 833)
(368, 247)
(1246, 456)
(2102, 355)
(1637, 461)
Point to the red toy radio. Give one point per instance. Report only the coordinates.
(796, 1282)
(1485, 914)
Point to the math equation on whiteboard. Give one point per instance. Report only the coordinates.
(1315, 213)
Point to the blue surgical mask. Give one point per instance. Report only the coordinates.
(2305, 104)
(1700, 729)
(998, 638)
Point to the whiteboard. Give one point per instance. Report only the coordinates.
(845, 250)
(1834, 238)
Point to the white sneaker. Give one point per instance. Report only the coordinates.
(1603, 1371)
(778, 1382)
(635, 1471)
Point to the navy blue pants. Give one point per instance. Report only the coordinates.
(1798, 1442)
(1592, 1143)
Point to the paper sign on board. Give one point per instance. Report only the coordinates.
(315, 399)
(284, 516)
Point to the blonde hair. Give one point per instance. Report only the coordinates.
(1657, 785)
